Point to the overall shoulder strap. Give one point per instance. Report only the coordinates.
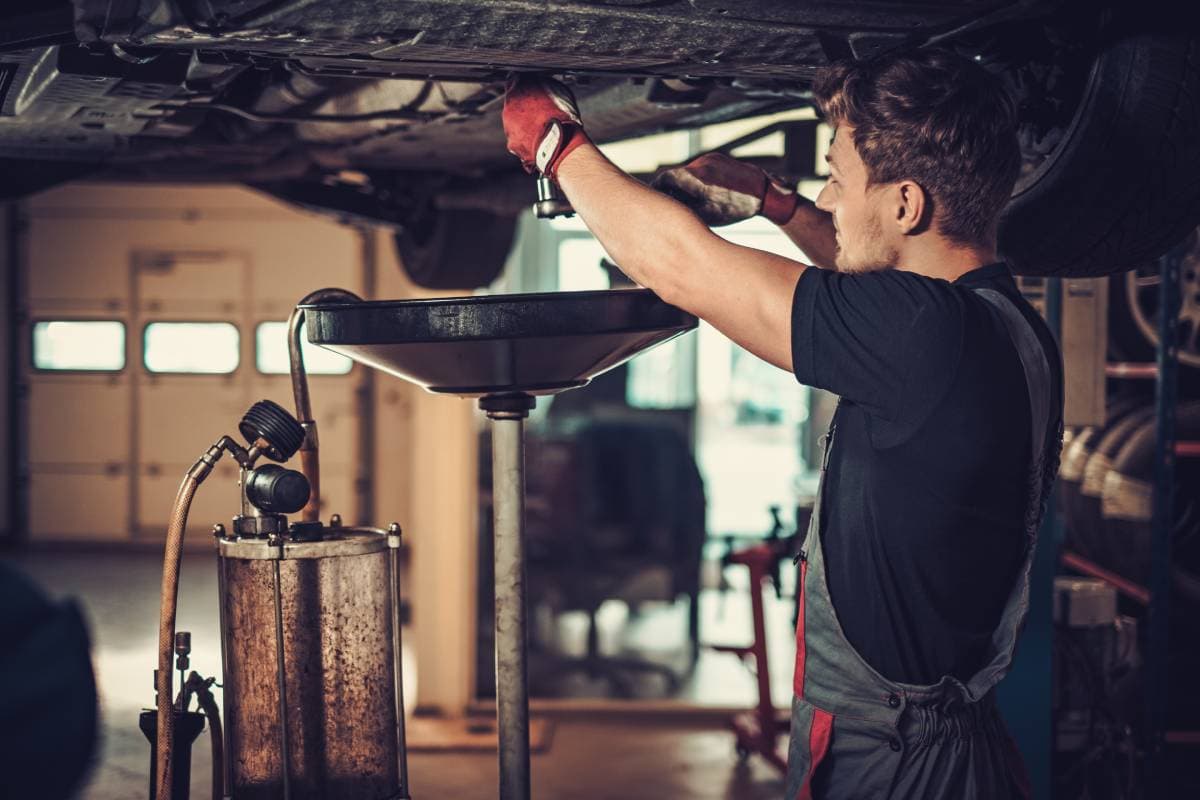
(1036, 366)
(1033, 360)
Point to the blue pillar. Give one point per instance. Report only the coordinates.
(1026, 695)
(1158, 639)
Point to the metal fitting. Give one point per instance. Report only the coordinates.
(257, 527)
(204, 465)
(551, 202)
(507, 406)
(183, 648)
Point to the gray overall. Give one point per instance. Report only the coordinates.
(878, 738)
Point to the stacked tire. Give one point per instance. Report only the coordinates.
(1106, 494)
(1127, 504)
(1126, 511)
(1083, 468)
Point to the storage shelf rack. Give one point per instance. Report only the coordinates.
(1164, 371)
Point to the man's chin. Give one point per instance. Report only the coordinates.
(852, 266)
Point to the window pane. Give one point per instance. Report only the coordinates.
(663, 377)
(271, 352)
(195, 347)
(98, 346)
(579, 267)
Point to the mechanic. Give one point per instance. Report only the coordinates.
(939, 459)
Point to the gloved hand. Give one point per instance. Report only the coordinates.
(723, 190)
(541, 123)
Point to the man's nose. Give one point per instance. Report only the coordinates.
(824, 200)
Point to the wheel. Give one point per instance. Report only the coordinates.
(456, 248)
(1090, 518)
(1139, 290)
(1130, 142)
(1081, 535)
(1126, 501)
(1070, 474)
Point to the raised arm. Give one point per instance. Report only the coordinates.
(723, 190)
(744, 293)
(811, 229)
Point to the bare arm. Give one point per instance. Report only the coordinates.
(811, 229)
(742, 292)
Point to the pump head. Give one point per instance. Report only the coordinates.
(273, 429)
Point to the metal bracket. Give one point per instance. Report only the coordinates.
(799, 160)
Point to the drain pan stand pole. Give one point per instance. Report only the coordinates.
(508, 413)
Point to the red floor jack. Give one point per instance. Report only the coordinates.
(762, 729)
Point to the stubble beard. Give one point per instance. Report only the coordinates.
(868, 253)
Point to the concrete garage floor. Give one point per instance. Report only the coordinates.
(588, 760)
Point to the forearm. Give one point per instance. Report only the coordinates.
(742, 292)
(649, 235)
(811, 229)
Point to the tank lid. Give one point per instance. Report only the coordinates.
(338, 542)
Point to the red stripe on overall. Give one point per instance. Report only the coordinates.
(822, 722)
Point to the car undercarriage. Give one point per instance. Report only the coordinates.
(378, 109)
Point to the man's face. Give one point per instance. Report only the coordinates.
(858, 213)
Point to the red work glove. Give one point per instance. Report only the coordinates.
(722, 190)
(541, 123)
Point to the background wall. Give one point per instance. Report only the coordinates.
(426, 479)
(108, 448)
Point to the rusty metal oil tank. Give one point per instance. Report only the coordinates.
(333, 599)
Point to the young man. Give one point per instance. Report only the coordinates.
(946, 438)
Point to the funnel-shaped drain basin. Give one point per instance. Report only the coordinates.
(532, 343)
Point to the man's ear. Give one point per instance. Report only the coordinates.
(912, 208)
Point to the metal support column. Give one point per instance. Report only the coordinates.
(285, 750)
(508, 413)
(15, 226)
(393, 537)
(1165, 396)
(223, 623)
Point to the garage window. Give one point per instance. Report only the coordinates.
(271, 352)
(205, 348)
(91, 346)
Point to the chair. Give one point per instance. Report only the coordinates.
(622, 516)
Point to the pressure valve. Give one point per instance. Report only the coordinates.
(276, 432)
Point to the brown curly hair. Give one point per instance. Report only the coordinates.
(936, 118)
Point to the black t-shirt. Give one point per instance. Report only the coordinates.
(926, 489)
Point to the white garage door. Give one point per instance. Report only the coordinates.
(155, 322)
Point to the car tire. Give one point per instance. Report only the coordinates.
(1080, 535)
(1131, 143)
(1133, 312)
(1089, 517)
(1126, 502)
(456, 248)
